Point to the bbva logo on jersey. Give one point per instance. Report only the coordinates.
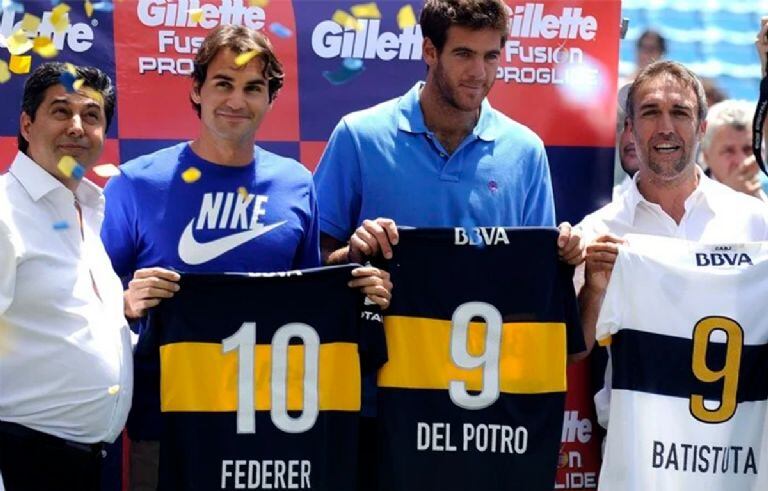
(722, 259)
(480, 236)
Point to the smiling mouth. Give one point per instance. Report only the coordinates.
(666, 148)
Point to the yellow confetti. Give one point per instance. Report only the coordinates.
(44, 47)
(5, 74)
(406, 18)
(71, 69)
(196, 15)
(243, 192)
(106, 170)
(114, 389)
(191, 175)
(70, 168)
(60, 17)
(244, 58)
(88, 8)
(20, 64)
(258, 3)
(366, 11)
(19, 43)
(93, 94)
(30, 23)
(78, 84)
(345, 20)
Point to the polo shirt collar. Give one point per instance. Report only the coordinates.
(37, 182)
(632, 197)
(411, 119)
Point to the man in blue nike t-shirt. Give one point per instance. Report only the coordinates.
(216, 204)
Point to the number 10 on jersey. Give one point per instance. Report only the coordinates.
(244, 341)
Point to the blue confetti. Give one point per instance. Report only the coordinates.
(78, 172)
(61, 225)
(352, 64)
(68, 80)
(11, 5)
(280, 30)
(106, 6)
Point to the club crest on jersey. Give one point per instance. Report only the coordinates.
(480, 236)
(722, 259)
(233, 211)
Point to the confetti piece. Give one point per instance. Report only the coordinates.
(345, 20)
(243, 192)
(366, 11)
(5, 74)
(114, 389)
(67, 80)
(78, 84)
(244, 58)
(60, 17)
(30, 23)
(258, 3)
(342, 75)
(88, 8)
(106, 170)
(20, 64)
(93, 94)
(70, 168)
(406, 18)
(61, 225)
(71, 69)
(19, 43)
(280, 30)
(106, 6)
(352, 64)
(196, 15)
(10, 5)
(191, 175)
(44, 47)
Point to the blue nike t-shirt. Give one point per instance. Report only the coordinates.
(257, 218)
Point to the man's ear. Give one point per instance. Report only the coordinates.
(25, 122)
(194, 94)
(429, 52)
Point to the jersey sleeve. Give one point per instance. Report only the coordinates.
(7, 268)
(338, 184)
(609, 321)
(119, 231)
(539, 210)
(308, 253)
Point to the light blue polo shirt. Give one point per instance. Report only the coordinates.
(384, 162)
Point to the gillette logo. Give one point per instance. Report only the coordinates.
(155, 13)
(529, 21)
(77, 37)
(330, 40)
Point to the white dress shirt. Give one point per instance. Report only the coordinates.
(65, 348)
(713, 213)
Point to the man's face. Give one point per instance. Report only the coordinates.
(627, 153)
(71, 124)
(233, 99)
(728, 149)
(648, 51)
(465, 70)
(665, 126)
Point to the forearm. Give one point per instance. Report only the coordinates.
(590, 301)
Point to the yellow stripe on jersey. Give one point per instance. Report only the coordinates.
(532, 358)
(606, 341)
(199, 377)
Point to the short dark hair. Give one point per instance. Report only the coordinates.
(438, 16)
(672, 69)
(656, 36)
(238, 39)
(49, 74)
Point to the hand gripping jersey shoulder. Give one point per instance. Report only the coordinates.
(473, 393)
(688, 339)
(260, 380)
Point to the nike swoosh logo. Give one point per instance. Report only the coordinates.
(193, 252)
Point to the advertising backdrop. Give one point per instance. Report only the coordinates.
(558, 76)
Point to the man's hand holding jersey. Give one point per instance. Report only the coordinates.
(147, 288)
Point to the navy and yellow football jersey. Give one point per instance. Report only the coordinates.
(478, 333)
(260, 380)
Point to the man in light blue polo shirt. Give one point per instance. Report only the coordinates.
(440, 155)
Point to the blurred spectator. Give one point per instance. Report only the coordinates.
(651, 46)
(713, 92)
(625, 146)
(726, 148)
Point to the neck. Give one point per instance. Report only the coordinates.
(224, 152)
(670, 194)
(443, 118)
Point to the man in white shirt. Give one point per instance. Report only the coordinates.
(670, 195)
(65, 348)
